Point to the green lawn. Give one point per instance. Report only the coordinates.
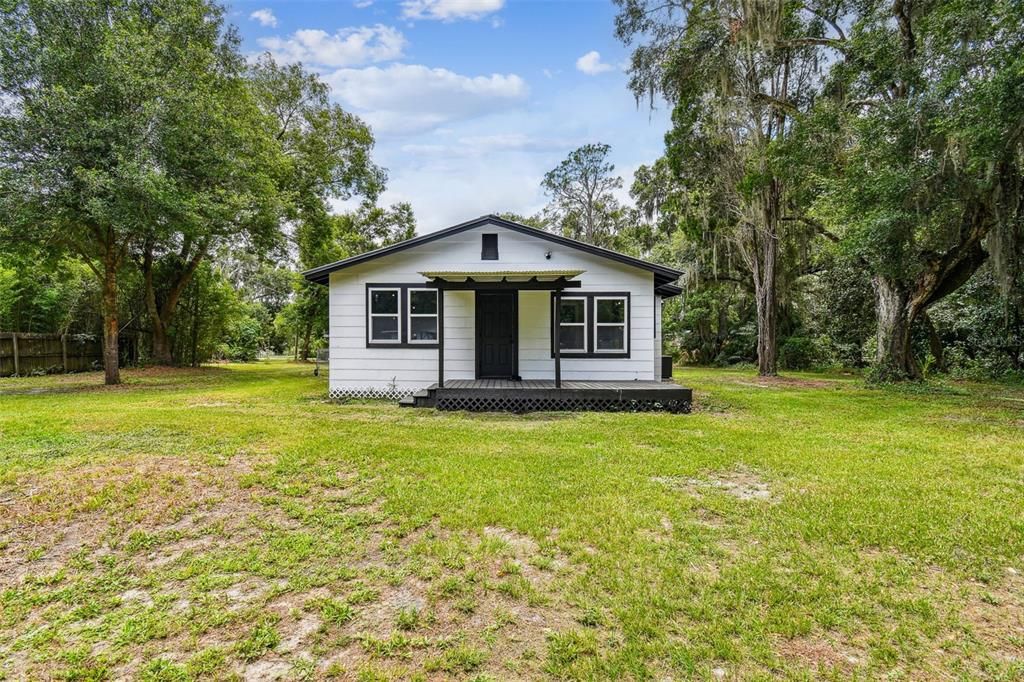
(231, 522)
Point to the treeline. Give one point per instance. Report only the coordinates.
(152, 178)
(236, 305)
(842, 181)
(837, 171)
(826, 314)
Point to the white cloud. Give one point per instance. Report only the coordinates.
(405, 98)
(450, 10)
(444, 194)
(265, 17)
(361, 4)
(496, 162)
(482, 145)
(347, 47)
(591, 64)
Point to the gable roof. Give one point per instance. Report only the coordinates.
(663, 276)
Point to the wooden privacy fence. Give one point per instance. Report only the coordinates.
(24, 354)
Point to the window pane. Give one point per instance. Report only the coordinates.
(571, 338)
(384, 328)
(423, 329)
(572, 311)
(423, 302)
(611, 338)
(384, 302)
(611, 310)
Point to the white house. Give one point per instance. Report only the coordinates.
(473, 307)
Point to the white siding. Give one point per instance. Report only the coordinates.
(355, 367)
(658, 348)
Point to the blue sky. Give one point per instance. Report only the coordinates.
(471, 101)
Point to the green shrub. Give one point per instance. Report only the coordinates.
(798, 352)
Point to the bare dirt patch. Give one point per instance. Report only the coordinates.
(522, 545)
(821, 653)
(789, 382)
(995, 613)
(168, 544)
(741, 483)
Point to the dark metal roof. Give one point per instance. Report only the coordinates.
(668, 290)
(663, 276)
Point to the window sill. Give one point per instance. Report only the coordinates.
(570, 355)
(378, 344)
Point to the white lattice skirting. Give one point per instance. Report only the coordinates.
(371, 392)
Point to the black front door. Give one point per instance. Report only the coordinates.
(497, 328)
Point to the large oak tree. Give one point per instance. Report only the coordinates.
(927, 182)
(323, 153)
(123, 121)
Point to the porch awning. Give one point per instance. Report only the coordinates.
(508, 279)
(532, 275)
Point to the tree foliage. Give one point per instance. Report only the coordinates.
(930, 103)
(738, 74)
(882, 136)
(583, 204)
(123, 121)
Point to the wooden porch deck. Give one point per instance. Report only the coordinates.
(503, 395)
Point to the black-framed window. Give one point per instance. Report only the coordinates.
(385, 320)
(489, 247)
(422, 315)
(610, 321)
(593, 325)
(401, 316)
(572, 327)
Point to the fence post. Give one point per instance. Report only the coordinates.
(64, 352)
(14, 344)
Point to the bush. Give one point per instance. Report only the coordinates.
(244, 339)
(798, 352)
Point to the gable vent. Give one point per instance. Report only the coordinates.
(489, 250)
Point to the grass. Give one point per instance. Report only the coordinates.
(230, 522)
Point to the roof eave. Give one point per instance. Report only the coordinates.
(662, 274)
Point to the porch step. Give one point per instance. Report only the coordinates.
(422, 398)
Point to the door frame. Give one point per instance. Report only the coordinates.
(514, 293)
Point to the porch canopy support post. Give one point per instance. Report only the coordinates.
(440, 337)
(557, 341)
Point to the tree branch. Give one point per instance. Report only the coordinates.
(819, 227)
(835, 44)
(830, 22)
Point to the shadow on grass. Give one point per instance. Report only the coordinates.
(132, 379)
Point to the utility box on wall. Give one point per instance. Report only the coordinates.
(666, 366)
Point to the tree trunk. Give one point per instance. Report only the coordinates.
(934, 342)
(894, 358)
(161, 316)
(764, 267)
(195, 330)
(306, 340)
(161, 347)
(111, 330)
(767, 342)
(162, 354)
